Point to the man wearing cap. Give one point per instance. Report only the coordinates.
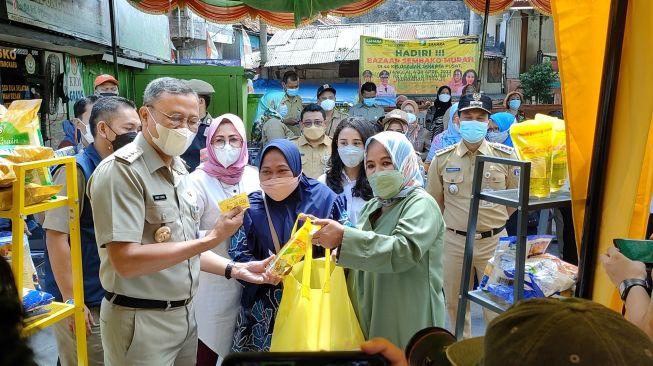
(367, 107)
(542, 332)
(204, 92)
(326, 98)
(147, 232)
(386, 90)
(106, 85)
(450, 183)
(367, 76)
(314, 145)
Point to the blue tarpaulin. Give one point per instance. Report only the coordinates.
(345, 93)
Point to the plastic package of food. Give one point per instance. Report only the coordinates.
(26, 153)
(34, 193)
(7, 175)
(533, 142)
(545, 274)
(20, 125)
(294, 250)
(559, 172)
(33, 299)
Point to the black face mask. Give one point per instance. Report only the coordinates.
(109, 94)
(122, 140)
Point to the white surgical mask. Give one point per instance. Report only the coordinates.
(87, 137)
(351, 155)
(328, 104)
(227, 155)
(444, 98)
(172, 141)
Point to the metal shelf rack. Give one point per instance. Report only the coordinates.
(517, 198)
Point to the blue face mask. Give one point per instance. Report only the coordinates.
(292, 92)
(473, 131)
(514, 104)
(412, 118)
(499, 137)
(369, 101)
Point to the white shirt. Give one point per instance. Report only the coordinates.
(218, 300)
(354, 204)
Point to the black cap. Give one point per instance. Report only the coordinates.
(384, 73)
(324, 88)
(475, 101)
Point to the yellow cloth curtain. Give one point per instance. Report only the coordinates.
(581, 29)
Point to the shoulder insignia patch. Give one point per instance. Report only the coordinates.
(445, 150)
(128, 154)
(502, 147)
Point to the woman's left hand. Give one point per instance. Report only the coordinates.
(330, 235)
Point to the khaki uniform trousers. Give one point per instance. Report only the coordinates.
(67, 343)
(454, 248)
(148, 336)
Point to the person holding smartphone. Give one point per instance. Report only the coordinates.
(630, 277)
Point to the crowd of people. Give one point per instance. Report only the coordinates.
(169, 278)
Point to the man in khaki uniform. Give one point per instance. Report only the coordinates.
(290, 108)
(314, 145)
(450, 183)
(146, 225)
(326, 98)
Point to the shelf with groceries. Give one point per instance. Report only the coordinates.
(26, 188)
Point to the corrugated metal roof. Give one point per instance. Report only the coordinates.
(325, 44)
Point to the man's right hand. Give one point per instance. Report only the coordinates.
(90, 322)
(227, 224)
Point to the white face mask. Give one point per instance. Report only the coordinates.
(172, 142)
(328, 104)
(227, 155)
(87, 137)
(444, 98)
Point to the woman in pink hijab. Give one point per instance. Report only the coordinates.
(224, 174)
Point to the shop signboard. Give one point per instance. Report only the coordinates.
(85, 19)
(20, 74)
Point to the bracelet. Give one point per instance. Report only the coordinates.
(227, 271)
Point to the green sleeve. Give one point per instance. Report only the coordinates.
(415, 233)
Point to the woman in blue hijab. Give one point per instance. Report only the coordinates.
(395, 252)
(287, 192)
(503, 121)
(448, 137)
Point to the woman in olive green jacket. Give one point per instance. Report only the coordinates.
(395, 254)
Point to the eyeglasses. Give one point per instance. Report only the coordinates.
(317, 123)
(177, 120)
(234, 142)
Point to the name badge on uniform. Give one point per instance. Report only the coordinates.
(159, 197)
(452, 169)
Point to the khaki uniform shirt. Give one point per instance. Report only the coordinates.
(57, 219)
(334, 122)
(450, 181)
(295, 107)
(133, 193)
(314, 159)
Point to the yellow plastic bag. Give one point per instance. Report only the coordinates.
(315, 313)
(533, 142)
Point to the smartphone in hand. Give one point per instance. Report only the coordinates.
(304, 359)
